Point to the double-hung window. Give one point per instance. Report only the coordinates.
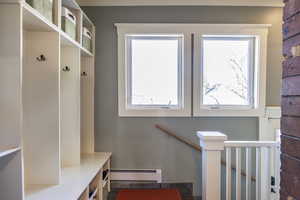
(193, 69)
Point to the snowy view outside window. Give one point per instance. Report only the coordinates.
(227, 71)
(155, 70)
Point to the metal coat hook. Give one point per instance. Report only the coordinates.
(66, 69)
(41, 58)
(83, 74)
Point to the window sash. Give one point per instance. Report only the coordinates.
(180, 81)
(251, 73)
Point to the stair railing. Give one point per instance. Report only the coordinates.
(266, 161)
(194, 146)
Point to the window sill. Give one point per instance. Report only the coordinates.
(186, 113)
(229, 113)
(155, 113)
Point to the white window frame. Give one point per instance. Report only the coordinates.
(180, 39)
(259, 32)
(125, 110)
(192, 34)
(251, 74)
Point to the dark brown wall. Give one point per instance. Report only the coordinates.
(290, 123)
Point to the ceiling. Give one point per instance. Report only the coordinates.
(272, 3)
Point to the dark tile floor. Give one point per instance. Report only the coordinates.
(186, 189)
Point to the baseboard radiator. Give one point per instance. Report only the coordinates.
(136, 175)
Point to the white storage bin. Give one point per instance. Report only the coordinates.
(45, 7)
(68, 22)
(87, 39)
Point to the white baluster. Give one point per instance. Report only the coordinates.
(273, 171)
(265, 173)
(238, 173)
(264, 160)
(248, 173)
(228, 173)
(257, 190)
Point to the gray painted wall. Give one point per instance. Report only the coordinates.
(135, 142)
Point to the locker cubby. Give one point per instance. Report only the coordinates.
(41, 107)
(47, 87)
(87, 104)
(10, 103)
(10, 78)
(70, 105)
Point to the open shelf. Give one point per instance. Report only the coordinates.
(9, 151)
(105, 182)
(76, 11)
(85, 52)
(105, 174)
(34, 21)
(86, 20)
(66, 40)
(87, 23)
(71, 4)
(93, 195)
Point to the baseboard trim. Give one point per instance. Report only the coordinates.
(136, 175)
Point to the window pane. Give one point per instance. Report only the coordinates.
(227, 65)
(154, 70)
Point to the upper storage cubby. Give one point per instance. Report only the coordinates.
(88, 35)
(64, 17)
(46, 11)
(71, 19)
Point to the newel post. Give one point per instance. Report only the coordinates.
(212, 144)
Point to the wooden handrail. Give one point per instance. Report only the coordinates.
(194, 146)
(181, 139)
